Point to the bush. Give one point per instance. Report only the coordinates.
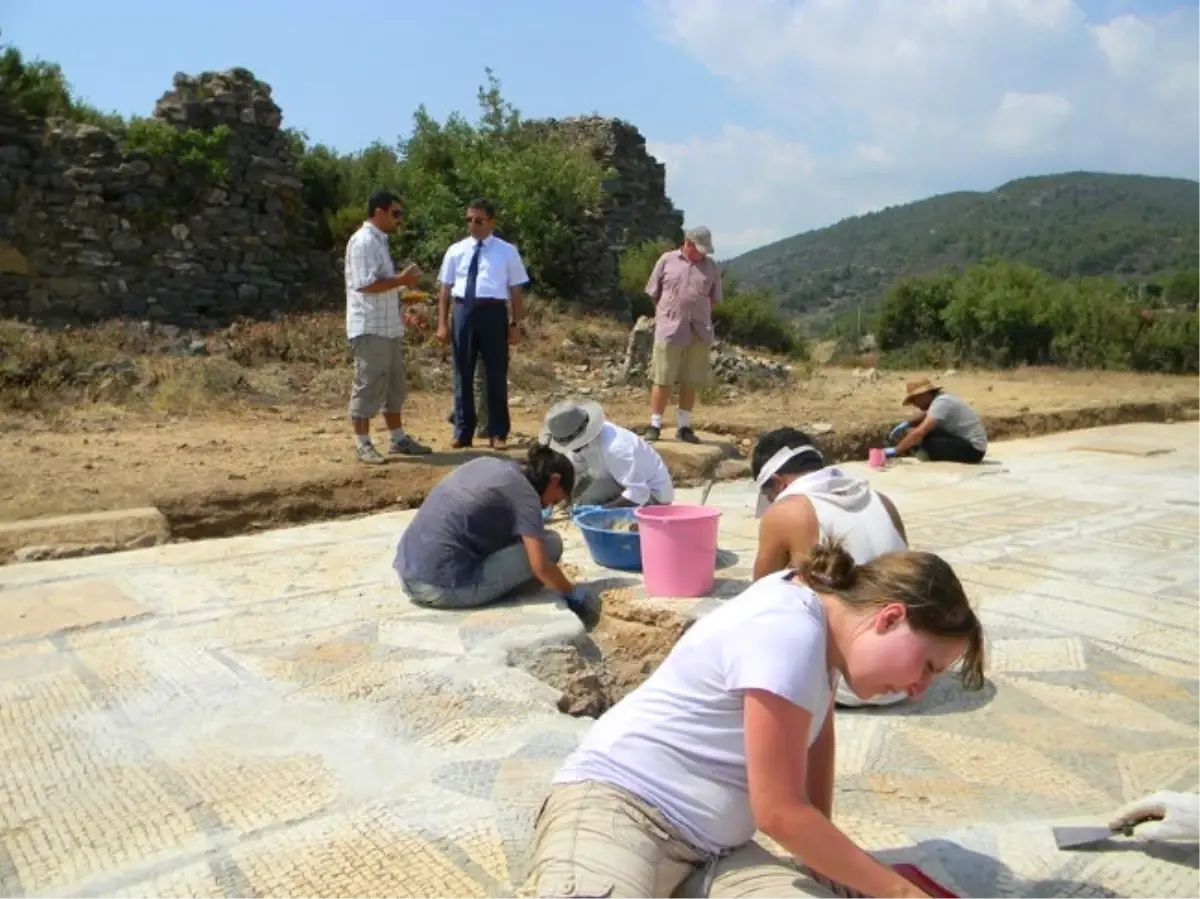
(1002, 314)
(753, 319)
(203, 154)
(544, 189)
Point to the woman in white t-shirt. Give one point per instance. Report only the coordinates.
(674, 781)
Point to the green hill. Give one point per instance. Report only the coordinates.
(1078, 223)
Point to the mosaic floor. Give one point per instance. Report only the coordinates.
(269, 715)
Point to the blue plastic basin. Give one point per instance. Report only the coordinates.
(621, 550)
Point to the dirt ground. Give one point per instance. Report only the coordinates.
(630, 641)
(246, 467)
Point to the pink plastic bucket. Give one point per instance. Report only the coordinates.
(876, 458)
(679, 549)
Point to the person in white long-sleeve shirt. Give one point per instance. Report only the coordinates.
(615, 466)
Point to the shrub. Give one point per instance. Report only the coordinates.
(754, 319)
(999, 313)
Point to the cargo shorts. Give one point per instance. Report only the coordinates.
(379, 383)
(674, 363)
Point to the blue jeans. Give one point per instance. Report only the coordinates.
(501, 573)
(480, 332)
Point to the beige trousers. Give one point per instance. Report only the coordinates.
(594, 839)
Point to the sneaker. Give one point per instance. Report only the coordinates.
(652, 433)
(407, 446)
(368, 455)
(687, 435)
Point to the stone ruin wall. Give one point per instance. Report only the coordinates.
(91, 230)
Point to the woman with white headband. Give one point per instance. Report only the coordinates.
(801, 500)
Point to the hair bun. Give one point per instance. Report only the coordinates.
(828, 566)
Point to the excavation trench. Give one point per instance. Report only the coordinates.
(595, 671)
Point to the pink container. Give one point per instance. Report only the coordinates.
(679, 549)
(876, 458)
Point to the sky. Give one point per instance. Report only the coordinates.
(772, 116)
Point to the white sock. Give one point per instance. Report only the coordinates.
(656, 420)
(684, 418)
(363, 439)
(397, 435)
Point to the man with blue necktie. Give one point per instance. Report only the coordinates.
(483, 276)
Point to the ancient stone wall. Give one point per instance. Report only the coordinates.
(91, 229)
(635, 207)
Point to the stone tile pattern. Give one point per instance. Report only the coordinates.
(269, 715)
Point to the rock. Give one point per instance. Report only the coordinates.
(732, 470)
(820, 427)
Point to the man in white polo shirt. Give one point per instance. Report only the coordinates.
(614, 466)
(802, 500)
(375, 328)
(483, 276)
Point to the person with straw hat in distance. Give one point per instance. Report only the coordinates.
(802, 501)
(615, 467)
(945, 429)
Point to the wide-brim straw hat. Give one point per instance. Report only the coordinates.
(571, 425)
(914, 389)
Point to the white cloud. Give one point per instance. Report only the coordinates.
(873, 102)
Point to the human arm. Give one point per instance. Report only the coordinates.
(778, 784)
(368, 266)
(446, 276)
(619, 459)
(915, 434)
(654, 285)
(544, 568)
(822, 767)
(517, 279)
(786, 529)
(1177, 816)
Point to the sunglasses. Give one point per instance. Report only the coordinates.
(396, 213)
(475, 220)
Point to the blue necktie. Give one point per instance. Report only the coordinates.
(472, 277)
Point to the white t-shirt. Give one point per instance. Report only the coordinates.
(630, 461)
(678, 740)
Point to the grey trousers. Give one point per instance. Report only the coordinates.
(501, 573)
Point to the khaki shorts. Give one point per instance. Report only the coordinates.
(379, 384)
(672, 363)
(593, 839)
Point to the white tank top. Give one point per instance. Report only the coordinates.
(866, 531)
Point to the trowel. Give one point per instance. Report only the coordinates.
(1081, 837)
(708, 486)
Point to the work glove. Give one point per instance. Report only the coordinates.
(585, 606)
(889, 451)
(897, 432)
(1179, 814)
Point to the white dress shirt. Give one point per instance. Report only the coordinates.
(630, 461)
(368, 259)
(500, 268)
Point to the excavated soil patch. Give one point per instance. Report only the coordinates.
(600, 668)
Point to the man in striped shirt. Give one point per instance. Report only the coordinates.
(375, 328)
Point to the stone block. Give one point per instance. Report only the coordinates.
(45, 609)
(117, 529)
